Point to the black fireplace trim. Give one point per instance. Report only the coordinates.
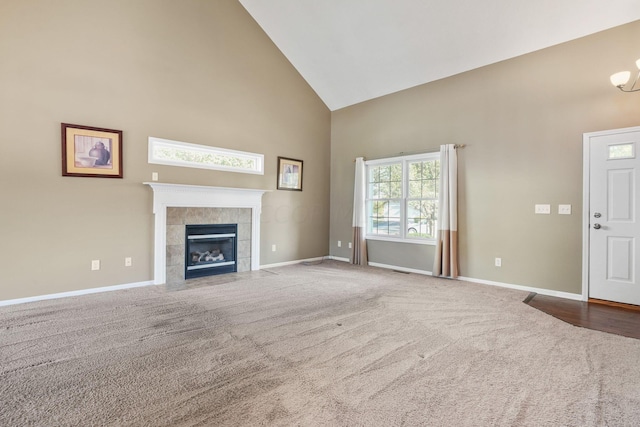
(203, 229)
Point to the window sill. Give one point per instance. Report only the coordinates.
(401, 240)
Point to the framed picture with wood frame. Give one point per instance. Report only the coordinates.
(91, 152)
(289, 174)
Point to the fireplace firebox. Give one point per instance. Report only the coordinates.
(210, 249)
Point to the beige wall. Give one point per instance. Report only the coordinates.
(190, 70)
(522, 121)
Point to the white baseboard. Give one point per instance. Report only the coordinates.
(404, 269)
(337, 258)
(299, 261)
(540, 291)
(75, 293)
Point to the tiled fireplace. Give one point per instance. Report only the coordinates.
(176, 206)
(179, 218)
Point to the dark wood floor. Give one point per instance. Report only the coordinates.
(598, 315)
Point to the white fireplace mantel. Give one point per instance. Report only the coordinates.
(199, 196)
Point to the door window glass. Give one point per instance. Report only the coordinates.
(622, 151)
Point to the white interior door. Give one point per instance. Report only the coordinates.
(614, 229)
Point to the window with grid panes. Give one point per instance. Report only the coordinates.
(422, 198)
(402, 198)
(385, 198)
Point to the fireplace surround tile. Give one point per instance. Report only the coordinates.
(229, 216)
(175, 255)
(174, 216)
(175, 235)
(192, 216)
(244, 264)
(213, 216)
(244, 216)
(175, 275)
(244, 231)
(244, 249)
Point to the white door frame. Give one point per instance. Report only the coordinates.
(586, 188)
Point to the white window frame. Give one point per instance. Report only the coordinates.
(404, 161)
(203, 149)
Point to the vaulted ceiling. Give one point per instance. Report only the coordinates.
(350, 51)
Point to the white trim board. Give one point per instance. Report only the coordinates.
(121, 287)
(403, 269)
(75, 293)
(541, 291)
(299, 261)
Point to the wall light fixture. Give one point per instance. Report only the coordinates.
(621, 79)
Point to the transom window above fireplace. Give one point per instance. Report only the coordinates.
(177, 153)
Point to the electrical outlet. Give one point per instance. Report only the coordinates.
(339, 243)
(154, 176)
(498, 262)
(273, 248)
(95, 264)
(543, 209)
(349, 245)
(127, 262)
(564, 209)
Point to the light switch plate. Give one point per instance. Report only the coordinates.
(543, 209)
(564, 209)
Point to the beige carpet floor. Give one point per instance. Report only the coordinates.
(321, 345)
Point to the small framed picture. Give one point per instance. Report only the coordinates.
(289, 174)
(91, 152)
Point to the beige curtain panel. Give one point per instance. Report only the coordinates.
(359, 250)
(446, 258)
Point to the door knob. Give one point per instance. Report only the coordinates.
(597, 226)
